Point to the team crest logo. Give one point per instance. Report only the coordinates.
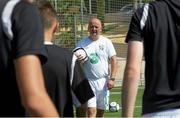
(101, 47)
(94, 59)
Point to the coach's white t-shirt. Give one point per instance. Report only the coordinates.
(99, 52)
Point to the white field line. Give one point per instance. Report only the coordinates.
(115, 88)
(113, 92)
(134, 107)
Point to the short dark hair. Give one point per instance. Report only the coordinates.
(48, 13)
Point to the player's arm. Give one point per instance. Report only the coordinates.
(111, 81)
(31, 86)
(131, 77)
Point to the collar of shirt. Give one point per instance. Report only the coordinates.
(48, 43)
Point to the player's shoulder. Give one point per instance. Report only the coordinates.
(22, 4)
(63, 50)
(25, 8)
(64, 53)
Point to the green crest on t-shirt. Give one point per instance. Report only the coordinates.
(94, 59)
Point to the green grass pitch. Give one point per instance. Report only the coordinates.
(115, 95)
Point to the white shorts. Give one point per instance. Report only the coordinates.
(171, 113)
(99, 88)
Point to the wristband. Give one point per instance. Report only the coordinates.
(113, 79)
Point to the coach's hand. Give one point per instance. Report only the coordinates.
(110, 83)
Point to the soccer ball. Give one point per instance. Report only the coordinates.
(80, 51)
(113, 107)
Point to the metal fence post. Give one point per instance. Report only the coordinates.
(90, 10)
(82, 19)
(74, 29)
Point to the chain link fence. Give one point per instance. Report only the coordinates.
(74, 15)
(114, 14)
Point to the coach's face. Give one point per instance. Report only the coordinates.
(94, 28)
